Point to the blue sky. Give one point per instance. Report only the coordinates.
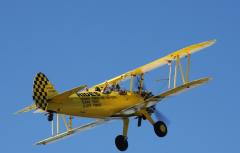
(87, 42)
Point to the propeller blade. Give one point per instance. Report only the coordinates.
(161, 117)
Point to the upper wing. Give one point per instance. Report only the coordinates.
(159, 62)
(155, 99)
(72, 131)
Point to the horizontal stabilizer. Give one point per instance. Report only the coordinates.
(27, 109)
(68, 93)
(39, 111)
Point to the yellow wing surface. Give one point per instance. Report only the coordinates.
(159, 62)
(155, 99)
(73, 131)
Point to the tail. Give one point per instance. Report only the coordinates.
(43, 91)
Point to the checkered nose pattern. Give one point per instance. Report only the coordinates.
(40, 91)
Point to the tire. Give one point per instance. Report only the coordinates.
(50, 117)
(121, 143)
(160, 129)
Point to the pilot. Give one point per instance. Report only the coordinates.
(118, 87)
(113, 87)
(98, 89)
(107, 89)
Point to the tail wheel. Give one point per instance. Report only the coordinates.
(160, 129)
(121, 142)
(50, 117)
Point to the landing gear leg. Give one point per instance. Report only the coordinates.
(121, 140)
(160, 127)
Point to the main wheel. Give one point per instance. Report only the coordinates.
(121, 142)
(160, 129)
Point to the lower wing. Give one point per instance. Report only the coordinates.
(73, 131)
(155, 99)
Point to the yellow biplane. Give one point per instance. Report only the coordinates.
(109, 101)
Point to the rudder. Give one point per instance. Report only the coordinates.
(43, 90)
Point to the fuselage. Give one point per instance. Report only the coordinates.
(95, 104)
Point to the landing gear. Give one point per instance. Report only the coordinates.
(121, 142)
(50, 117)
(160, 129)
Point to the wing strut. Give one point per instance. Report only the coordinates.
(188, 67)
(170, 74)
(67, 124)
(56, 131)
(178, 65)
(72, 131)
(141, 83)
(175, 74)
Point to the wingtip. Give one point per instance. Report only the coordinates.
(213, 41)
(16, 113)
(210, 78)
(207, 79)
(37, 144)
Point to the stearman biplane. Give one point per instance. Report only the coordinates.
(108, 101)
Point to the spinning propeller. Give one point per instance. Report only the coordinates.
(151, 110)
